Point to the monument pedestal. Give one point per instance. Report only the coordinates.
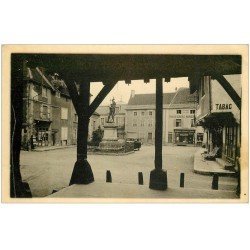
(110, 141)
(110, 132)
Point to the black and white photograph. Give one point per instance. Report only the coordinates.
(126, 123)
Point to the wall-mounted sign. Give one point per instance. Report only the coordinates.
(223, 106)
(181, 116)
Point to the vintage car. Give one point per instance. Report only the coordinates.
(137, 143)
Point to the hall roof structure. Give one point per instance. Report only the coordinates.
(83, 69)
(114, 67)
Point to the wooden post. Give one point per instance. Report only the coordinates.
(158, 124)
(18, 188)
(215, 182)
(182, 180)
(158, 177)
(140, 178)
(82, 172)
(108, 176)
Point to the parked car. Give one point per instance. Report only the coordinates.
(137, 143)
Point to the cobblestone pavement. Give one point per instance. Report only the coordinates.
(48, 170)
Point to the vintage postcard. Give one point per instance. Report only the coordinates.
(125, 123)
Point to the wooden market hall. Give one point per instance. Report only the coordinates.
(86, 69)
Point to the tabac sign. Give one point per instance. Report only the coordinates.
(221, 101)
(223, 106)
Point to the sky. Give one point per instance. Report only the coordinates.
(122, 91)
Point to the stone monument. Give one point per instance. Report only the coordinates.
(110, 130)
(110, 142)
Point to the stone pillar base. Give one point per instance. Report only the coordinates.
(158, 180)
(82, 173)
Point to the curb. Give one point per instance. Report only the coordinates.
(200, 170)
(49, 149)
(205, 172)
(113, 154)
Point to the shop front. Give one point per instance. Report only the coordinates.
(184, 136)
(42, 134)
(223, 131)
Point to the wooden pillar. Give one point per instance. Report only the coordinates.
(158, 124)
(82, 172)
(158, 177)
(17, 187)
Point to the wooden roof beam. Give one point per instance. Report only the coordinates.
(228, 88)
(100, 97)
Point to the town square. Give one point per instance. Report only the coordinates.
(145, 126)
(53, 171)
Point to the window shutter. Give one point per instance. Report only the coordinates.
(41, 111)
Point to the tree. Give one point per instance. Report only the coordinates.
(97, 136)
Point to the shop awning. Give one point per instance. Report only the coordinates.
(42, 122)
(218, 119)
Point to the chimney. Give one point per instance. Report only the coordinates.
(176, 89)
(132, 93)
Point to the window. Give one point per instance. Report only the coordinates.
(142, 123)
(49, 113)
(64, 133)
(75, 134)
(76, 118)
(142, 113)
(150, 113)
(45, 112)
(178, 111)
(93, 125)
(134, 124)
(192, 111)
(102, 121)
(44, 92)
(178, 123)
(200, 137)
(170, 137)
(58, 94)
(64, 113)
(230, 142)
(149, 136)
(135, 113)
(192, 123)
(150, 123)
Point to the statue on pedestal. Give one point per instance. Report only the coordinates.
(112, 111)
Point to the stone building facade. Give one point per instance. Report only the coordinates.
(178, 118)
(49, 117)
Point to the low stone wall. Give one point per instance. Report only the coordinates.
(117, 146)
(111, 146)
